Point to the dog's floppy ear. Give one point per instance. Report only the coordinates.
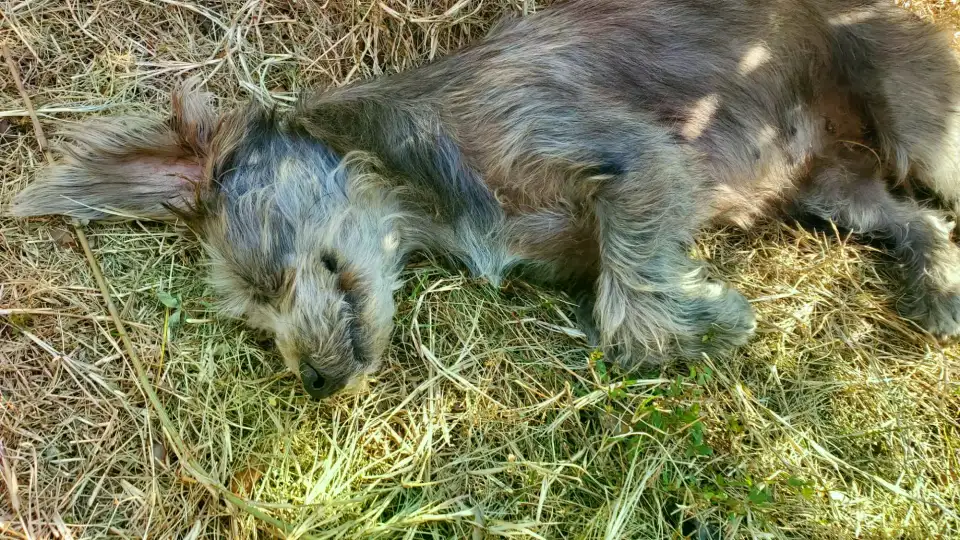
(128, 167)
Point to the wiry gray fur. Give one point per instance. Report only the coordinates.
(584, 146)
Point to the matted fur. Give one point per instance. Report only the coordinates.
(585, 146)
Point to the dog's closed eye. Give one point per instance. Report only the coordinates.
(330, 263)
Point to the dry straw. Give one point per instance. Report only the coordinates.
(491, 418)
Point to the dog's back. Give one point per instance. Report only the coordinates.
(755, 89)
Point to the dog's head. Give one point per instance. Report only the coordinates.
(302, 243)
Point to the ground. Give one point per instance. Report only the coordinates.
(492, 417)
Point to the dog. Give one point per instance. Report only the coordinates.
(582, 147)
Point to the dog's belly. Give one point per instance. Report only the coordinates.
(740, 196)
(755, 166)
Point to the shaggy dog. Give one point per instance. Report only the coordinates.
(583, 147)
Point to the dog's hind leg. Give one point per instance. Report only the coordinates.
(847, 188)
(905, 75)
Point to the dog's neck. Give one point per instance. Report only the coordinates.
(449, 210)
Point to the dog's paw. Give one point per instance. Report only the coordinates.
(932, 297)
(724, 320)
(707, 318)
(938, 312)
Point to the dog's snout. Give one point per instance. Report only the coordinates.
(316, 384)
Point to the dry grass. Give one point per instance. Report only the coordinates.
(491, 418)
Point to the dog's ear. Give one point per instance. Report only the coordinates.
(128, 168)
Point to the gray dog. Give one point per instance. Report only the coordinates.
(582, 147)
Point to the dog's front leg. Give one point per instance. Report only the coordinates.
(652, 300)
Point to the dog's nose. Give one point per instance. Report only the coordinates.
(316, 384)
